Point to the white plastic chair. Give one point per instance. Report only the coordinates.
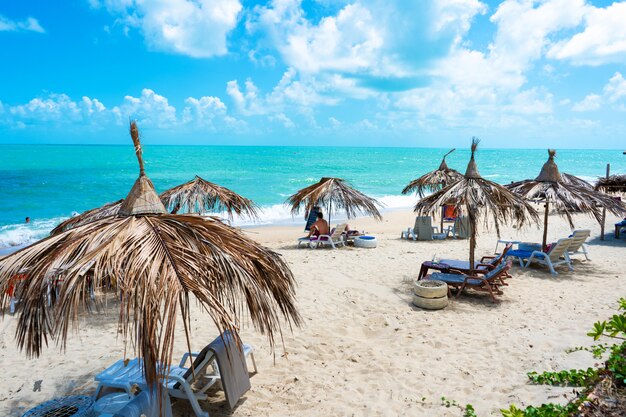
(553, 257)
(181, 381)
(577, 245)
(337, 238)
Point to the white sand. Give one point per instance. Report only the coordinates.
(364, 350)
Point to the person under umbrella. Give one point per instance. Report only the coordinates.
(337, 194)
(481, 199)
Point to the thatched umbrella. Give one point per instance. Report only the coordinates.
(200, 195)
(334, 193)
(434, 181)
(481, 198)
(108, 210)
(566, 195)
(155, 262)
(612, 184)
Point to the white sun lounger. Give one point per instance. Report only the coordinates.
(184, 382)
(337, 238)
(553, 257)
(577, 245)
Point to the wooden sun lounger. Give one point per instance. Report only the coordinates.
(489, 282)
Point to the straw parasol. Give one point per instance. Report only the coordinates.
(434, 181)
(566, 195)
(482, 199)
(200, 195)
(334, 193)
(108, 210)
(612, 184)
(195, 196)
(155, 262)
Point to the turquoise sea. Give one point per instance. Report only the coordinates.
(50, 183)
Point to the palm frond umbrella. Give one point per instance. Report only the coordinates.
(434, 181)
(334, 193)
(156, 262)
(612, 184)
(200, 195)
(481, 199)
(565, 195)
(108, 210)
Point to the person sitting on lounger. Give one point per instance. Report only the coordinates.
(320, 227)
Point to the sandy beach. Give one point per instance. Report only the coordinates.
(364, 350)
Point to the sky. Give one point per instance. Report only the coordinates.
(415, 73)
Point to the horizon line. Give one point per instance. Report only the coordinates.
(302, 146)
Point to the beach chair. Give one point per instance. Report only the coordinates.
(488, 282)
(577, 245)
(552, 258)
(423, 229)
(221, 360)
(460, 229)
(336, 238)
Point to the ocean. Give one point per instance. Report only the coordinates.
(50, 183)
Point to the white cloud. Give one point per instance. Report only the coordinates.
(524, 28)
(456, 16)
(283, 119)
(197, 28)
(615, 88)
(290, 93)
(204, 110)
(30, 25)
(92, 106)
(150, 109)
(364, 37)
(349, 41)
(602, 41)
(55, 107)
(591, 102)
(613, 93)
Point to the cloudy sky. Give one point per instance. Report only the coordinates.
(516, 73)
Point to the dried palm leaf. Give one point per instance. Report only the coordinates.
(434, 180)
(199, 195)
(334, 193)
(565, 195)
(108, 210)
(155, 262)
(482, 199)
(612, 184)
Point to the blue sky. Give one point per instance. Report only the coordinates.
(516, 73)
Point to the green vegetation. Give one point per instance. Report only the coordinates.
(614, 329)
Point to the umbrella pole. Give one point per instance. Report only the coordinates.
(544, 245)
(443, 213)
(443, 207)
(472, 221)
(330, 207)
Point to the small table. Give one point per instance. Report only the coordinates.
(438, 266)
